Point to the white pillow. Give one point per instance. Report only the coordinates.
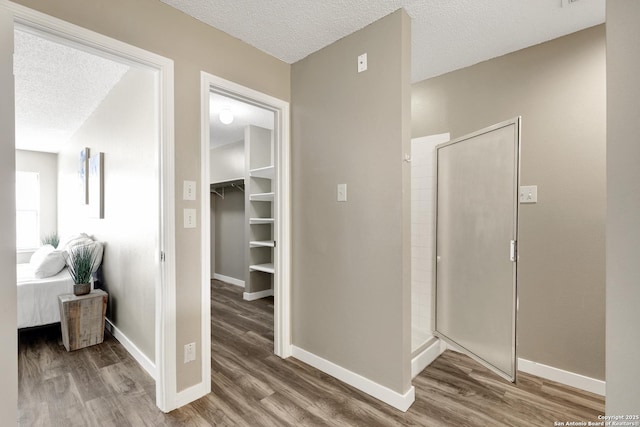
(75, 240)
(47, 262)
(40, 254)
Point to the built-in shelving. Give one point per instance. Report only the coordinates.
(265, 268)
(262, 244)
(262, 197)
(267, 172)
(253, 221)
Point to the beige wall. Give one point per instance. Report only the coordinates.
(46, 164)
(123, 128)
(8, 304)
(559, 90)
(623, 207)
(230, 243)
(194, 46)
(351, 291)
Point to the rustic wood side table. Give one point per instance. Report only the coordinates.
(82, 319)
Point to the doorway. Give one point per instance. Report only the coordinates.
(162, 368)
(267, 205)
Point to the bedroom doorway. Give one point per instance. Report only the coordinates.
(263, 179)
(158, 73)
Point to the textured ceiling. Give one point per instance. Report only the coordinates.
(57, 88)
(447, 34)
(244, 114)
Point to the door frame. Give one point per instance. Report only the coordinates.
(517, 122)
(282, 228)
(163, 369)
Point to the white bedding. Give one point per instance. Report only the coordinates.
(38, 298)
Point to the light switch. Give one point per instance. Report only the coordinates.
(189, 218)
(529, 194)
(189, 190)
(342, 192)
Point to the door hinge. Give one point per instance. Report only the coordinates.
(513, 251)
(161, 256)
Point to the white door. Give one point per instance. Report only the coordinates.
(476, 237)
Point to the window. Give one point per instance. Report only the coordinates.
(27, 210)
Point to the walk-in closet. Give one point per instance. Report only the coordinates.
(243, 194)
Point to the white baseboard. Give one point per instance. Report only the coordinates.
(563, 377)
(426, 356)
(252, 296)
(192, 393)
(380, 392)
(133, 350)
(228, 279)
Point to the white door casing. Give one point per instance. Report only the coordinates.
(164, 368)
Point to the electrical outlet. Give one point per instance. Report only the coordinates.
(529, 194)
(189, 352)
(189, 218)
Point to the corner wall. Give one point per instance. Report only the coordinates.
(558, 88)
(623, 207)
(123, 128)
(351, 260)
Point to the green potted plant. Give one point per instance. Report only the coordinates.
(51, 239)
(80, 262)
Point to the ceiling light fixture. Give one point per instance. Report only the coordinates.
(226, 116)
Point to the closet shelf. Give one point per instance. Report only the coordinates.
(263, 244)
(261, 220)
(265, 268)
(262, 197)
(266, 172)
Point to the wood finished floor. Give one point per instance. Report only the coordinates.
(103, 386)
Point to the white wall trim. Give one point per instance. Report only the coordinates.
(563, 377)
(204, 387)
(252, 296)
(380, 392)
(142, 359)
(165, 327)
(228, 279)
(282, 208)
(192, 393)
(426, 357)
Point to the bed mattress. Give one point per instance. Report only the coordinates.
(38, 298)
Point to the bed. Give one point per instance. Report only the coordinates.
(38, 298)
(45, 277)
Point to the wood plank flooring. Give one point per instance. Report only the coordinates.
(103, 386)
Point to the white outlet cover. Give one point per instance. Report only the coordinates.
(529, 194)
(189, 218)
(189, 352)
(342, 192)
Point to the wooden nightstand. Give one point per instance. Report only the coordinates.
(82, 319)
